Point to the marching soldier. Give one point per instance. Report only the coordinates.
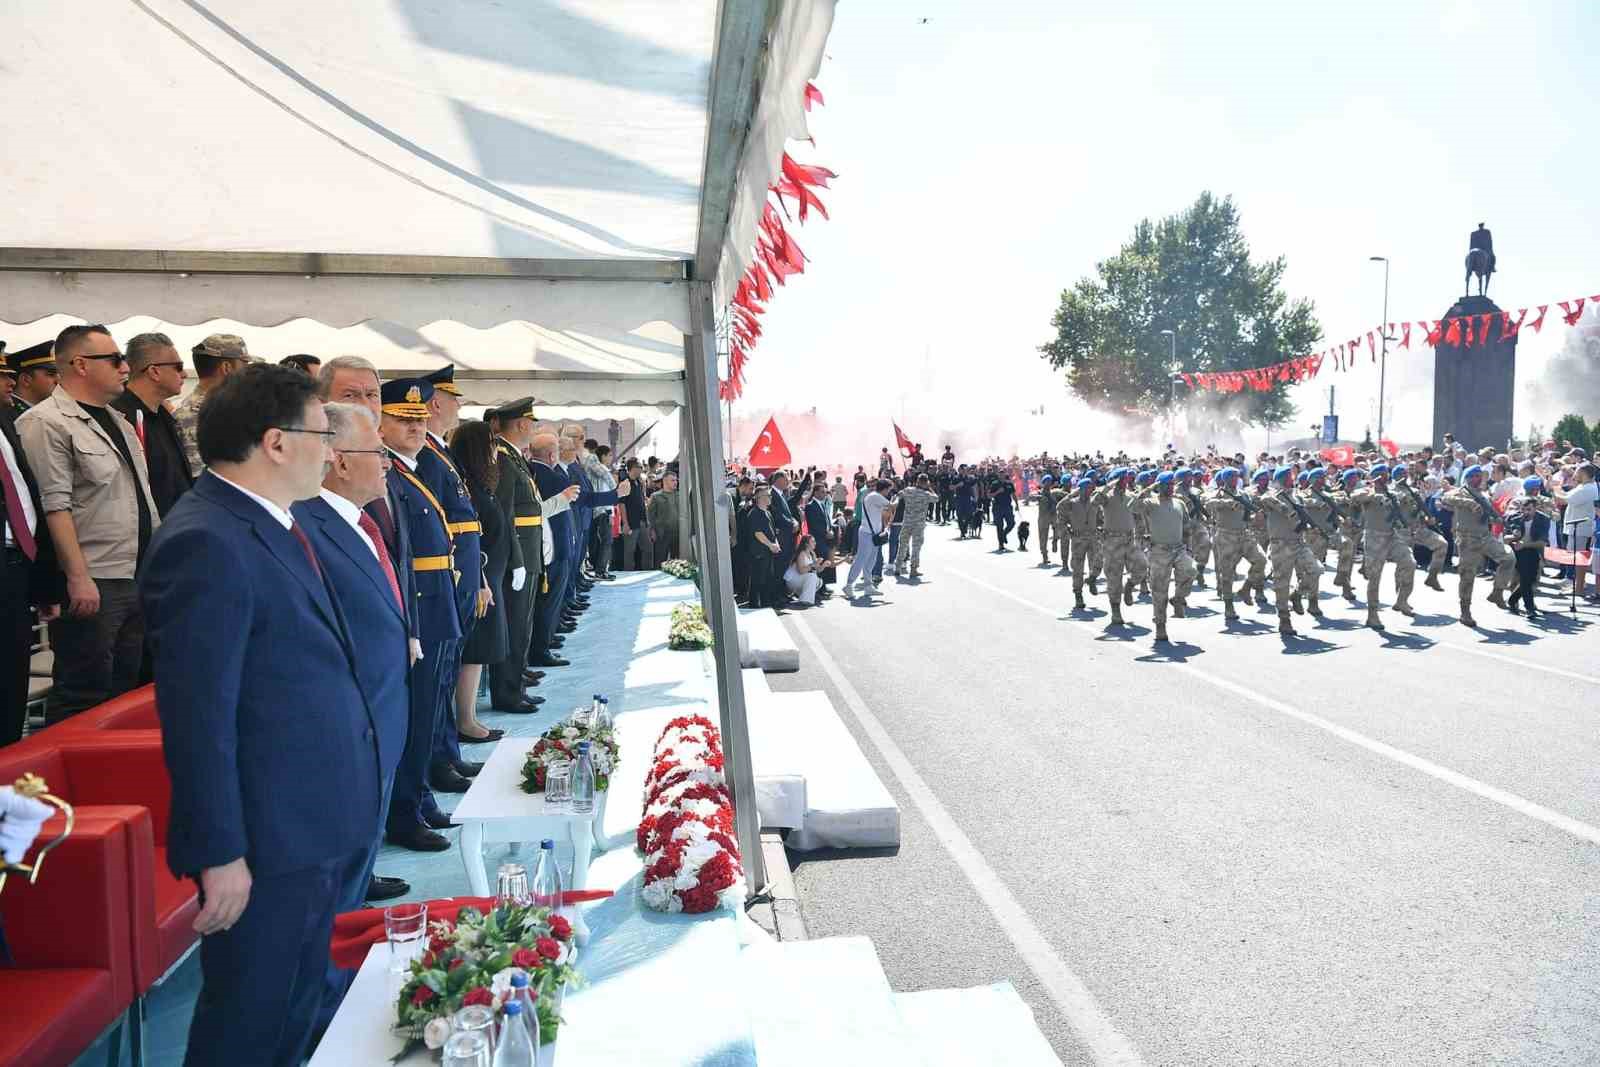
(1308, 486)
(1139, 556)
(1260, 483)
(1048, 495)
(1422, 525)
(1170, 562)
(1117, 548)
(1197, 529)
(1287, 522)
(1079, 516)
(1385, 539)
(1473, 514)
(1349, 533)
(1233, 542)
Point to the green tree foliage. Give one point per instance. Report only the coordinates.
(1573, 428)
(1192, 273)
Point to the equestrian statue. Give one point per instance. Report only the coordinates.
(1480, 259)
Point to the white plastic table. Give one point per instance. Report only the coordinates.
(495, 810)
(362, 1033)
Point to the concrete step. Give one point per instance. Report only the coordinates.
(764, 641)
(755, 682)
(984, 1024)
(813, 779)
(822, 1002)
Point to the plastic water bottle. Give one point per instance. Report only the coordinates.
(583, 782)
(547, 885)
(603, 719)
(594, 708)
(515, 1048)
(522, 996)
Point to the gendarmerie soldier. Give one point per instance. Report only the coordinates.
(1232, 512)
(1170, 561)
(1386, 538)
(1476, 542)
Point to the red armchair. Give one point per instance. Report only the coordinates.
(124, 769)
(133, 710)
(69, 937)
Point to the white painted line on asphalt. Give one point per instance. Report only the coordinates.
(1087, 1019)
(1514, 661)
(1521, 805)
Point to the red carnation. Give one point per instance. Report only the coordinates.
(560, 928)
(699, 899)
(548, 948)
(478, 995)
(526, 958)
(421, 996)
(458, 961)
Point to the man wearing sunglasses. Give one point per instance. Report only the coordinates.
(95, 491)
(155, 375)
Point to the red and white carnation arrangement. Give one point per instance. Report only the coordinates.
(686, 831)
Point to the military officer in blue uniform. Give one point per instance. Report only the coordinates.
(403, 427)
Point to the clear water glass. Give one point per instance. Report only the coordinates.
(406, 926)
(468, 1048)
(558, 784)
(476, 1019)
(511, 886)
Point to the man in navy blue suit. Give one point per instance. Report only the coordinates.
(403, 426)
(358, 567)
(551, 482)
(271, 744)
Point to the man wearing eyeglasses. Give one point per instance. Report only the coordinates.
(95, 491)
(218, 356)
(155, 375)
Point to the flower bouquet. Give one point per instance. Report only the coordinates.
(681, 568)
(686, 831)
(472, 960)
(689, 628)
(560, 742)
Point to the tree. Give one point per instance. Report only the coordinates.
(1191, 273)
(1573, 428)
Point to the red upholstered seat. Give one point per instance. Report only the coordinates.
(133, 710)
(177, 902)
(69, 937)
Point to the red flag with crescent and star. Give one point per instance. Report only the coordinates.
(907, 448)
(769, 452)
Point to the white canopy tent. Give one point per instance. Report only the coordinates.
(578, 169)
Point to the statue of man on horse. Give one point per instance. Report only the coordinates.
(1480, 259)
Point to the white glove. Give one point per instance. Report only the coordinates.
(519, 578)
(416, 649)
(20, 819)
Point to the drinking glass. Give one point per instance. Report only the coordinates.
(467, 1048)
(407, 928)
(475, 1019)
(558, 784)
(511, 886)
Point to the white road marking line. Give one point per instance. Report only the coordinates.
(1521, 805)
(1087, 1019)
(1589, 678)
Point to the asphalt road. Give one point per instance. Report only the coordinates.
(1240, 848)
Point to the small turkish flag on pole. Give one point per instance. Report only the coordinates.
(769, 452)
(901, 441)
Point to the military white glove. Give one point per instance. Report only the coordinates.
(519, 578)
(20, 819)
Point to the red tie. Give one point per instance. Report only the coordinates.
(14, 516)
(370, 528)
(311, 556)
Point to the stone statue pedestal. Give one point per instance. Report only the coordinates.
(1473, 384)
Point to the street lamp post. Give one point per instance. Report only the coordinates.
(1383, 360)
(1172, 376)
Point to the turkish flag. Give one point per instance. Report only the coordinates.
(902, 442)
(1341, 456)
(769, 452)
(1389, 447)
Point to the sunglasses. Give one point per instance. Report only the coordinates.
(116, 358)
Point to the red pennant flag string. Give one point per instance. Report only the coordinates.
(1508, 328)
(813, 96)
(1188, 380)
(1452, 336)
(1433, 332)
(1483, 328)
(1538, 324)
(1405, 335)
(1468, 320)
(1372, 346)
(1572, 315)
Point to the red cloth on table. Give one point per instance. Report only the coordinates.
(355, 932)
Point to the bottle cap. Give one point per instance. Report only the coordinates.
(583, 746)
(519, 981)
(547, 843)
(511, 1007)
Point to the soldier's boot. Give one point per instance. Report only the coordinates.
(1372, 616)
(1497, 599)
(1116, 613)
(1433, 581)
(1228, 614)
(1077, 595)
(1161, 632)
(1294, 602)
(1313, 607)
(1180, 608)
(1199, 577)
(1261, 594)
(1466, 616)
(1285, 627)
(1094, 587)
(1349, 591)
(1403, 606)
(1128, 592)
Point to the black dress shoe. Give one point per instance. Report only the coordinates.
(553, 661)
(446, 780)
(532, 677)
(525, 706)
(419, 839)
(468, 739)
(566, 627)
(381, 888)
(439, 821)
(466, 768)
(557, 641)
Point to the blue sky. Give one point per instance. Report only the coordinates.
(989, 158)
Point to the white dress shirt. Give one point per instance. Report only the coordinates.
(283, 518)
(347, 511)
(28, 514)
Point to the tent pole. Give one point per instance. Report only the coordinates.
(716, 574)
(688, 488)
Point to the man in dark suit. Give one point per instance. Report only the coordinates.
(29, 576)
(271, 745)
(523, 512)
(819, 520)
(358, 567)
(403, 426)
